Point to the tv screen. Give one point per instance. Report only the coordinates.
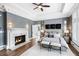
(58, 26)
(47, 26)
(53, 26)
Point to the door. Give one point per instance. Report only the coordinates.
(36, 31)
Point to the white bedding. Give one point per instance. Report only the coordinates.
(54, 40)
(63, 42)
(57, 41)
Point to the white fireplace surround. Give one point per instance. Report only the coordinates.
(11, 33)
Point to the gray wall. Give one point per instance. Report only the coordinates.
(3, 37)
(19, 22)
(53, 21)
(1, 26)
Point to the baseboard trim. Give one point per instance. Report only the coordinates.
(2, 47)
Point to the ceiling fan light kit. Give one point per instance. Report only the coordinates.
(40, 6)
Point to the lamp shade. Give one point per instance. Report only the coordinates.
(67, 31)
(42, 31)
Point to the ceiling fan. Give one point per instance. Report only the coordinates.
(40, 5)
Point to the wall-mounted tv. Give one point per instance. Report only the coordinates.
(47, 26)
(58, 26)
(52, 26)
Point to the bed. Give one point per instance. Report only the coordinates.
(54, 42)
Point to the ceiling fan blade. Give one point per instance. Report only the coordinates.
(41, 9)
(40, 4)
(35, 3)
(45, 6)
(35, 8)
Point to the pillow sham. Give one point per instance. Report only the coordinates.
(57, 35)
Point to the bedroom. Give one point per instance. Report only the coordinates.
(50, 29)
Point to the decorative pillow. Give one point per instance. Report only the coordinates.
(50, 36)
(57, 35)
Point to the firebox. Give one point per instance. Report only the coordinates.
(19, 39)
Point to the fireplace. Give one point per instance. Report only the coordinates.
(19, 39)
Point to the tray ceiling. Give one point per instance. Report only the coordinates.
(56, 10)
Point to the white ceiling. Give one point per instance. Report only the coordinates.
(56, 10)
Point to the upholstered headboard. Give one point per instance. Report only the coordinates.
(55, 31)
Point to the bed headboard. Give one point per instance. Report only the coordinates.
(54, 31)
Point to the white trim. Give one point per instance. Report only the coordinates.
(11, 37)
(17, 46)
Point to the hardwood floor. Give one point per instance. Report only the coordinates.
(22, 49)
(16, 52)
(76, 53)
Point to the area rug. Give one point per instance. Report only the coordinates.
(37, 51)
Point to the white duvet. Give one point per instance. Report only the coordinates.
(57, 41)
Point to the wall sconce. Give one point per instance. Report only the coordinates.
(10, 25)
(67, 32)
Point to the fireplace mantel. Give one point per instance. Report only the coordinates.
(12, 33)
